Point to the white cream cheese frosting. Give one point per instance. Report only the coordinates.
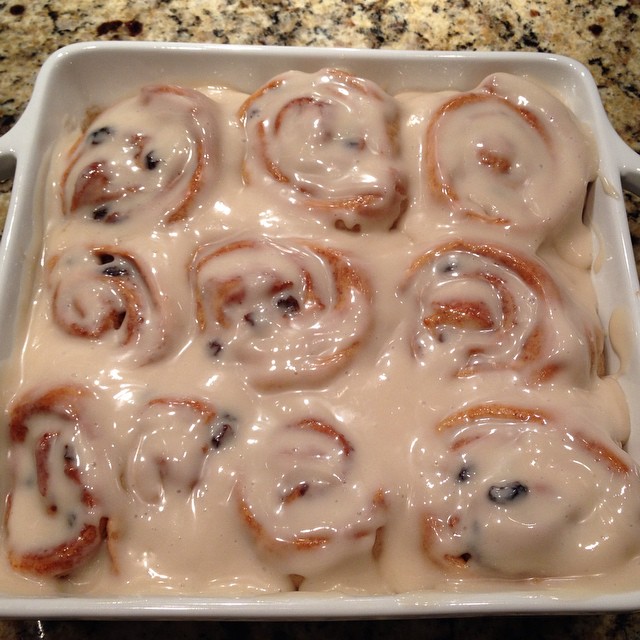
(316, 338)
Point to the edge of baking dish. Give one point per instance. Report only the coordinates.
(92, 74)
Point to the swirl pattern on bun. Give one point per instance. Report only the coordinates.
(104, 294)
(328, 140)
(499, 152)
(154, 156)
(302, 503)
(488, 307)
(528, 493)
(290, 312)
(175, 437)
(51, 462)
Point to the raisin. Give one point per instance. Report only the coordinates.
(100, 135)
(151, 161)
(298, 491)
(464, 475)
(105, 258)
(216, 439)
(504, 493)
(222, 428)
(289, 305)
(115, 272)
(215, 347)
(100, 213)
(450, 267)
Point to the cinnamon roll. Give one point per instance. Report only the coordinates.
(153, 156)
(291, 313)
(524, 493)
(328, 142)
(302, 500)
(510, 154)
(484, 307)
(54, 521)
(104, 294)
(175, 437)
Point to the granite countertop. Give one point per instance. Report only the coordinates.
(603, 35)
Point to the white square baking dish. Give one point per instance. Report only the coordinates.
(95, 75)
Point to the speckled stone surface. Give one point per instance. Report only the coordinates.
(604, 35)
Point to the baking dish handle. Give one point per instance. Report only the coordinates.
(629, 166)
(9, 151)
